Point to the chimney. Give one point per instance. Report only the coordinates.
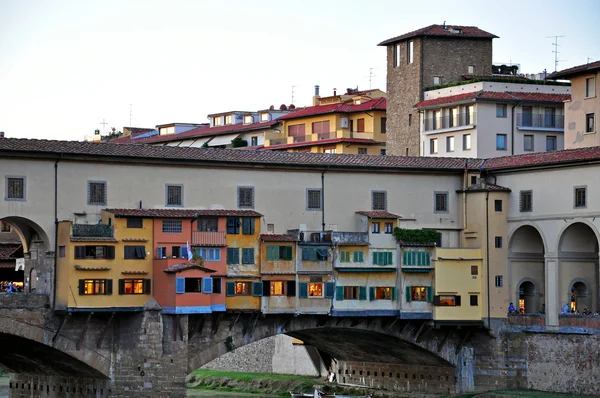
(316, 96)
(1, 134)
(316, 90)
(334, 92)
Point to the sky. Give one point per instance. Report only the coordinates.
(68, 66)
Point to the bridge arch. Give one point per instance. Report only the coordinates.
(29, 232)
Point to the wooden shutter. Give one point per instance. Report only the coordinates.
(266, 288)
(457, 301)
(290, 288)
(408, 295)
(147, 286)
(179, 285)
(79, 251)
(230, 289)
(362, 292)
(339, 293)
(207, 285)
(121, 286)
(361, 125)
(303, 290)
(81, 287)
(372, 296)
(246, 226)
(427, 259)
(394, 295)
(233, 255)
(436, 300)
(288, 253)
(183, 252)
(388, 258)
(108, 286)
(271, 250)
(306, 253)
(257, 289)
(110, 252)
(375, 258)
(248, 256)
(329, 289)
(231, 225)
(429, 291)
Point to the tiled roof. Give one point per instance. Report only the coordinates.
(364, 141)
(82, 268)
(470, 32)
(485, 188)
(494, 96)
(378, 214)
(278, 238)
(578, 155)
(7, 251)
(134, 240)
(576, 70)
(227, 158)
(185, 266)
(134, 272)
(374, 104)
(181, 213)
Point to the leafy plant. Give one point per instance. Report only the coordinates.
(424, 235)
(237, 142)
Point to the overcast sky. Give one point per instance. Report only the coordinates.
(65, 66)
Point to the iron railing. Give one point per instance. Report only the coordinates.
(446, 122)
(541, 120)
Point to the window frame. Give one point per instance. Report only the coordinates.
(433, 146)
(202, 224)
(99, 287)
(375, 193)
(499, 281)
(553, 139)
(466, 137)
(6, 190)
(375, 227)
(133, 282)
(435, 207)
(590, 116)
(522, 195)
(388, 227)
(89, 193)
(397, 52)
(244, 292)
(498, 242)
(410, 52)
(239, 201)
(209, 253)
(420, 291)
(450, 143)
(283, 288)
(474, 300)
(525, 148)
(362, 151)
(502, 109)
(498, 205)
(308, 199)
(383, 125)
(253, 141)
(174, 231)
(593, 86)
(308, 285)
(505, 137)
(577, 189)
(167, 186)
(130, 222)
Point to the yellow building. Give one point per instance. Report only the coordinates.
(106, 266)
(353, 123)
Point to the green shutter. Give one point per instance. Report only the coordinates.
(371, 293)
(408, 296)
(375, 258)
(389, 258)
(307, 253)
(345, 256)
(394, 298)
(362, 292)
(358, 257)
(288, 253)
(257, 289)
(230, 291)
(427, 259)
(339, 293)
(405, 258)
(303, 290)
(271, 253)
(429, 290)
(329, 289)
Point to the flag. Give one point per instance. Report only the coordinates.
(189, 252)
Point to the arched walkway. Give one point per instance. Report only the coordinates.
(578, 268)
(526, 264)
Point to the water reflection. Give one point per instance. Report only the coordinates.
(220, 394)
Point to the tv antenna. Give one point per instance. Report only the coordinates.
(371, 75)
(103, 125)
(130, 115)
(555, 51)
(293, 94)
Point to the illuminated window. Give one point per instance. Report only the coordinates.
(315, 290)
(94, 286)
(277, 288)
(383, 293)
(419, 293)
(264, 117)
(229, 119)
(448, 301)
(248, 119)
(242, 288)
(133, 286)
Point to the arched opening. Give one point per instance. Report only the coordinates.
(526, 262)
(33, 278)
(528, 299)
(578, 263)
(12, 275)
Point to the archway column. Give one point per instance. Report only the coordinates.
(552, 295)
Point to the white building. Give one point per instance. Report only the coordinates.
(490, 119)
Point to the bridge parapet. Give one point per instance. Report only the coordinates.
(24, 301)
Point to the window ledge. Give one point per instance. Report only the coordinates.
(530, 128)
(450, 129)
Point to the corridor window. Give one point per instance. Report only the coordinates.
(97, 193)
(525, 201)
(313, 199)
(243, 288)
(15, 188)
(350, 292)
(418, 293)
(315, 290)
(580, 197)
(246, 197)
(501, 142)
(379, 200)
(174, 194)
(383, 126)
(172, 226)
(441, 202)
(383, 293)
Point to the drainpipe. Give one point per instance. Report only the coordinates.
(323, 200)
(487, 255)
(465, 185)
(55, 232)
(512, 128)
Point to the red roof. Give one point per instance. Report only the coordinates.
(466, 32)
(576, 70)
(278, 238)
(374, 104)
(579, 155)
(511, 96)
(485, 188)
(185, 266)
(378, 214)
(365, 141)
(181, 213)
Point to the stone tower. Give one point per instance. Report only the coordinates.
(435, 55)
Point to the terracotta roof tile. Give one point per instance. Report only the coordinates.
(374, 104)
(185, 266)
(134, 272)
(82, 268)
(378, 214)
(544, 158)
(576, 70)
(494, 96)
(364, 141)
(468, 32)
(485, 188)
(226, 158)
(278, 238)
(181, 213)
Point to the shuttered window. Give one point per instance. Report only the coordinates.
(233, 225)
(247, 226)
(314, 254)
(275, 253)
(382, 258)
(360, 125)
(97, 193)
(379, 200)
(297, 130)
(248, 256)
(345, 256)
(321, 127)
(246, 197)
(233, 255)
(416, 258)
(358, 256)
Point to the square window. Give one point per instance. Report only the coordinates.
(382, 152)
(248, 119)
(498, 205)
(97, 193)
(383, 293)
(433, 146)
(172, 226)
(474, 300)
(474, 270)
(174, 195)
(499, 280)
(551, 143)
(580, 197)
(313, 199)
(437, 80)
(466, 142)
(501, 142)
(362, 151)
(350, 292)
(246, 197)
(441, 202)
(471, 69)
(264, 117)
(590, 87)
(375, 228)
(277, 288)
(450, 144)
(525, 201)
(135, 222)
(500, 110)
(387, 227)
(528, 142)
(243, 288)
(498, 242)
(590, 124)
(378, 200)
(473, 180)
(315, 290)
(15, 188)
(418, 293)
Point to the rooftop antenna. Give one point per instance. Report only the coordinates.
(103, 125)
(129, 115)
(555, 51)
(370, 77)
(293, 94)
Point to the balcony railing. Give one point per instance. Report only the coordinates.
(311, 236)
(208, 238)
(278, 141)
(540, 120)
(355, 238)
(92, 231)
(324, 136)
(446, 122)
(301, 138)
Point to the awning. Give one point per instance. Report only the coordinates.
(223, 140)
(197, 143)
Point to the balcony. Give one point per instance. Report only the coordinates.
(301, 138)
(92, 231)
(312, 237)
(540, 121)
(211, 239)
(447, 122)
(351, 238)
